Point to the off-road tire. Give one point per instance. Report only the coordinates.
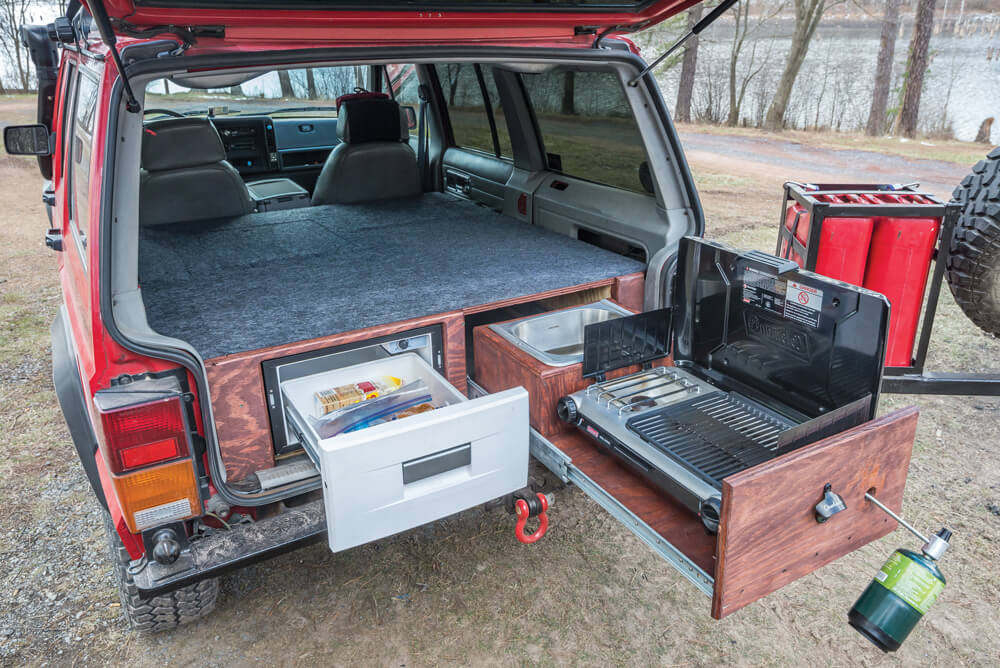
(974, 260)
(160, 613)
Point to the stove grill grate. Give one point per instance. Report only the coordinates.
(713, 436)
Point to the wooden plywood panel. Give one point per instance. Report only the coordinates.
(769, 535)
(629, 291)
(236, 384)
(678, 526)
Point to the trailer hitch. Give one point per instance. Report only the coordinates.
(531, 506)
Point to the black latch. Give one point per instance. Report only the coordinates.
(54, 239)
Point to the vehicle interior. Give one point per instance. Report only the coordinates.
(280, 208)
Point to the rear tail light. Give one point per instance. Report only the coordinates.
(158, 495)
(141, 435)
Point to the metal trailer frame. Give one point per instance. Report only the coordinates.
(913, 379)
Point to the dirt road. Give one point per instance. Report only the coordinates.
(797, 161)
(464, 591)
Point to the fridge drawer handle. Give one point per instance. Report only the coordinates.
(436, 463)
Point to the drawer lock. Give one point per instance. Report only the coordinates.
(524, 508)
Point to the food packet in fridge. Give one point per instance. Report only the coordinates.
(371, 412)
(335, 398)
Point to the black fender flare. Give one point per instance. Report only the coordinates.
(73, 402)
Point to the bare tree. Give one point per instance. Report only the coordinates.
(285, 81)
(744, 30)
(807, 17)
(311, 84)
(883, 69)
(916, 66)
(569, 94)
(13, 15)
(452, 74)
(689, 63)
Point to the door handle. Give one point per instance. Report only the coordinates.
(54, 239)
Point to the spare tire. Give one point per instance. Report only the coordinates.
(974, 261)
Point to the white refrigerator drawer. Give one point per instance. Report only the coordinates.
(402, 474)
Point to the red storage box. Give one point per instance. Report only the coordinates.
(899, 261)
(843, 242)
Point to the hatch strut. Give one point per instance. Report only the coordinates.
(108, 37)
(698, 27)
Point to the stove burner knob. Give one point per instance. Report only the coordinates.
(566, 410)
(710, 513)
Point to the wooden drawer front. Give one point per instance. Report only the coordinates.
(769, 536)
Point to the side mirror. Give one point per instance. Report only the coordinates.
(27, 140)
(411, 117)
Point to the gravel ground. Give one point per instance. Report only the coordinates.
(463, 590)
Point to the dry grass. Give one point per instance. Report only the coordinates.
(464, 591)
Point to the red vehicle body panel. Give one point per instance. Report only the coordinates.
(374, 27)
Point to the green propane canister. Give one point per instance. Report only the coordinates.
(902, 591)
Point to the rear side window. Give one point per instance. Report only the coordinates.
(587, 126)
(477, 120)
(81, 149)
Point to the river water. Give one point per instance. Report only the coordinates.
(834, 87)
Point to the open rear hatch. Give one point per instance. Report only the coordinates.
(386, 22)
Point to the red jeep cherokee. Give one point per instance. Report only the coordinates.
(268, 210)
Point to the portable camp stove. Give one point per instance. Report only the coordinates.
(755, 376)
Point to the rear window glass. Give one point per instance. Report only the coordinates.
(471, 105)
(587, 126)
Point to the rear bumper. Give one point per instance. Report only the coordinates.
(241, 546)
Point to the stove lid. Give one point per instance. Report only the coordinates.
(813, 343)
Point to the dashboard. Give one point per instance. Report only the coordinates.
(263, 145)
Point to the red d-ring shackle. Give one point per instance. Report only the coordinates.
(523, 511)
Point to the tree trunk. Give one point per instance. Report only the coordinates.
(807, 16)
(689, 64)
(569, 94)
(883, 69)
(286, 84)
(916, 66)
(311, 84)
(985, 128)
(741, 10)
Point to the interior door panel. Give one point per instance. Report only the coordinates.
(568, 206)
(477, 176)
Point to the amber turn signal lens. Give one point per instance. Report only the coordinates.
(158, 495)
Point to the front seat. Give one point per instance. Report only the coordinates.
(185, 175)
(374, 160)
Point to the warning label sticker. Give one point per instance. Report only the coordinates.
(803, 303)
(763, 290)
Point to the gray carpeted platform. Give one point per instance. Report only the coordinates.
(270, 278)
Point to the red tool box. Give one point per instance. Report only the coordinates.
(882, 237)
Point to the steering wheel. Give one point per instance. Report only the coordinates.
(166, 112)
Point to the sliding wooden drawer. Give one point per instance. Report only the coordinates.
(768, 532)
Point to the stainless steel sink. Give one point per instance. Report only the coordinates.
(557, 338)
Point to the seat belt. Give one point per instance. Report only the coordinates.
(422, 93)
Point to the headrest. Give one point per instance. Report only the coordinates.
(361, 95)
(368, 119)
(174, 143)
